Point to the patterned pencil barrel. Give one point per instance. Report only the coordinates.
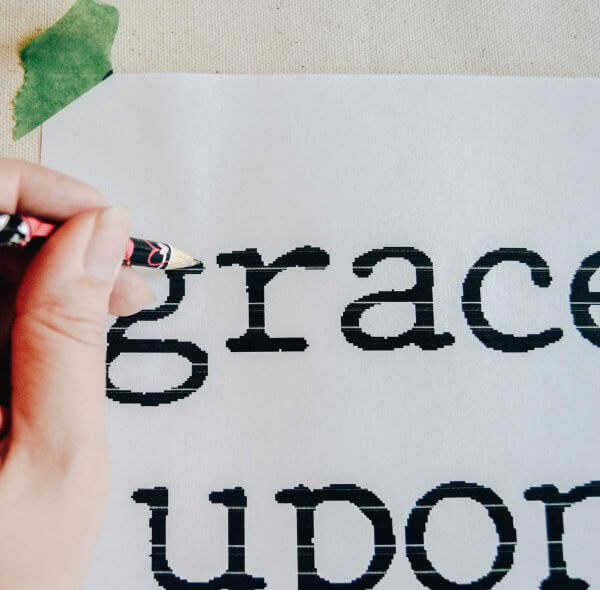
(19, 230)
(14, 230)
(147, 253)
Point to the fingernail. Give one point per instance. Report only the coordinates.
(106, 247)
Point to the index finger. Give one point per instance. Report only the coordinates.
(35, 190)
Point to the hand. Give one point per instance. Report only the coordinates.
(54, 465)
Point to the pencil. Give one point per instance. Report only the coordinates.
(21, 230)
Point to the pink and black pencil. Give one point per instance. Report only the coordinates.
(21, 230)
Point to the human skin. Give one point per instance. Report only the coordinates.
(54, 462)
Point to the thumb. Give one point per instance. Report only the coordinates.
(58, 338)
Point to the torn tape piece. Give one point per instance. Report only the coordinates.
(64, 62)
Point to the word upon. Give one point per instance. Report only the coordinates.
(305, 501)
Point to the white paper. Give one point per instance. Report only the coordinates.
(453, 167)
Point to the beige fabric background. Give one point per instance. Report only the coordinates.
(505, 37)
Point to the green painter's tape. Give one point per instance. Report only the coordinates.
(65, 61)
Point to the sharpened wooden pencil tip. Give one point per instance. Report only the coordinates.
(180, 259)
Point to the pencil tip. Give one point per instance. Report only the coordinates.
(180, 259)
